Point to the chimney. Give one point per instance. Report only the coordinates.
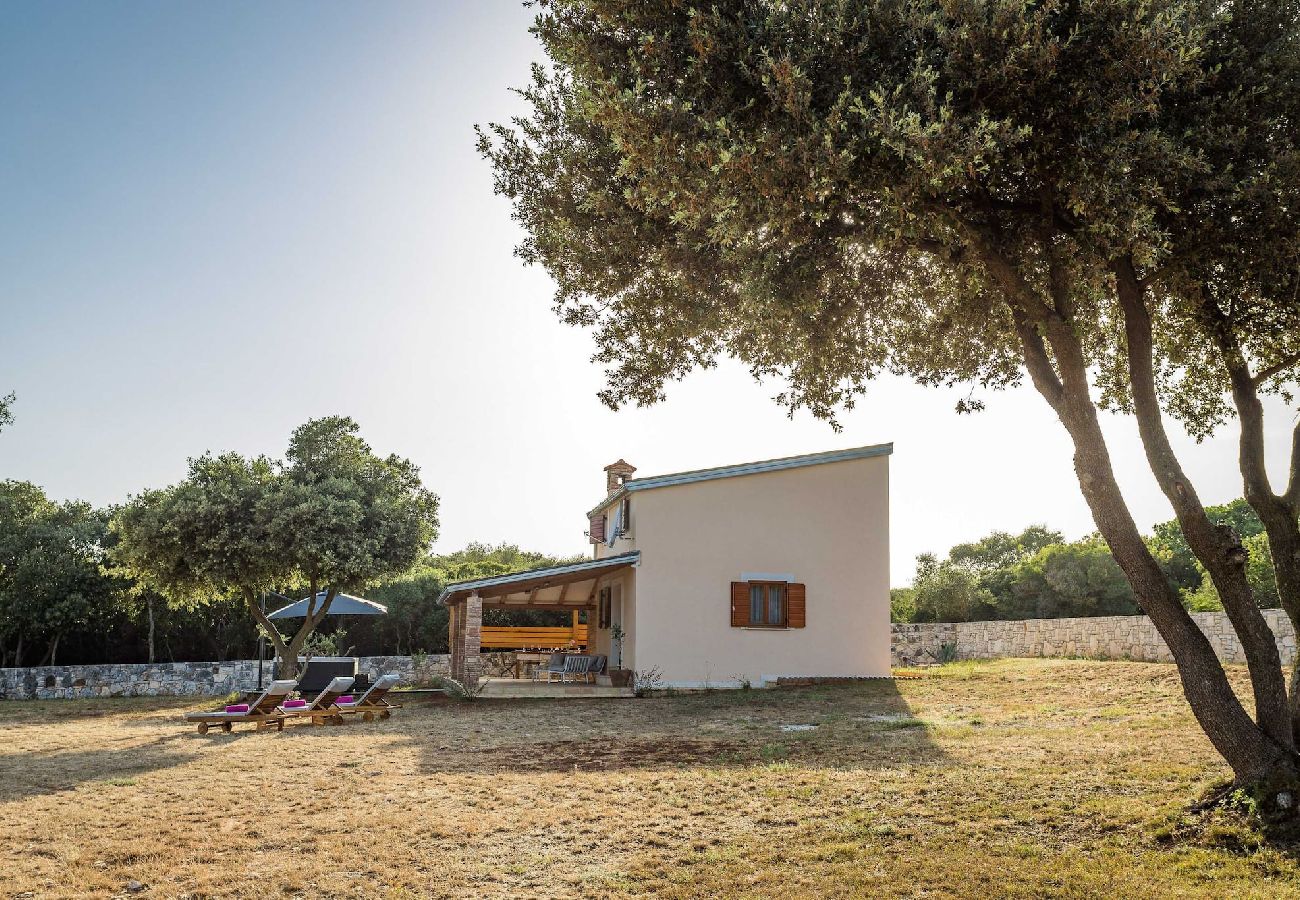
(616, 474)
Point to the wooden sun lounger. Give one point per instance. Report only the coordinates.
(374, 701)
(322, 709)
(262, 712)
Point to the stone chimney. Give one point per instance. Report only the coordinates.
(616, 474)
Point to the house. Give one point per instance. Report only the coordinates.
(717, 577)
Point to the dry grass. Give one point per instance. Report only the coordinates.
(1014, 778)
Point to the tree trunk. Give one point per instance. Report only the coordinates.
(1219, 549)
(1253, 756)
(313, 619)
(1280, 514)
(149, 607)
(288, 667)
(51, 652)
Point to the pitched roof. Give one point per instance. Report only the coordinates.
(543, 577)
(751, 468)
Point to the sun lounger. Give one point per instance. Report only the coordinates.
(262, 712)
(322, 708)
(373, 702)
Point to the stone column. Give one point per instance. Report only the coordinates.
(454, 640)
(472, 642)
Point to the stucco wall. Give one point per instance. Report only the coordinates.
(826, 525)
(1100, 637)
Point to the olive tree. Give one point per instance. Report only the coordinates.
(333, 515)
(52, 581)
(1100, 196)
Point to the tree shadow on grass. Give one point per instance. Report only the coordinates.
(866, 725)
(38, 772)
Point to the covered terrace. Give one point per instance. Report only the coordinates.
(573, 587)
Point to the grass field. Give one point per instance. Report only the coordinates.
(1011, 778)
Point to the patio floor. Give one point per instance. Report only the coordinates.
(527, 688)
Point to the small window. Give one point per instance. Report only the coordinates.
(767, 604)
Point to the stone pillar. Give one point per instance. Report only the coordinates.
(454, 640)
(472, 640)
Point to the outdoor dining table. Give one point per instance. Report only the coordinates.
(528, 657)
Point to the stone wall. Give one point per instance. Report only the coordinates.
(197, 679)
(1100, 637)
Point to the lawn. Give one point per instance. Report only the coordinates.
(1019, 778)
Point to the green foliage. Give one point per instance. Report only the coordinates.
(52, 580)
(902, 604)
(6, 410)
(1001, 550)
(1170, 546)
(1259, 575)
(1075, 579)
(1032, 575)
(949, 592)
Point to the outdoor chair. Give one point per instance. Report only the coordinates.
(575, 667)
(322, 709)
(262, 711)
(597, 666)
(373, 701)
(554, 666)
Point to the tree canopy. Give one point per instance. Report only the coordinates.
(333, 517)
(51, 578)
(1102, 196)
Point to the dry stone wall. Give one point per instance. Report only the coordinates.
(184, 679)
(1099, 637)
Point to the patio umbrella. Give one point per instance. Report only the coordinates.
(343, 605)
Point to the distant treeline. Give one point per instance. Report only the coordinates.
(63, 602)
(1037, 574)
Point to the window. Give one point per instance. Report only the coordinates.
(767, 603)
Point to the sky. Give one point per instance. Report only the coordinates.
(220, 220)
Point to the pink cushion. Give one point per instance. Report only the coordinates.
(346, 698)
(237, 707)
(294, 704)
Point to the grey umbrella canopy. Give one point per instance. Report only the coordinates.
(343, 605)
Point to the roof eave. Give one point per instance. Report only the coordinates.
(753, 468)
(528, 574)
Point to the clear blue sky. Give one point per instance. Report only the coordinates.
(219, 220)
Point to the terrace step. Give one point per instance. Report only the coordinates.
(519, 688)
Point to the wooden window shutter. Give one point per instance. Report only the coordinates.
(597, 529)
(796, 612)
(739, 604)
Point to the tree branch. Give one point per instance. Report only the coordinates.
(1037, 360)
(1276, 369)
